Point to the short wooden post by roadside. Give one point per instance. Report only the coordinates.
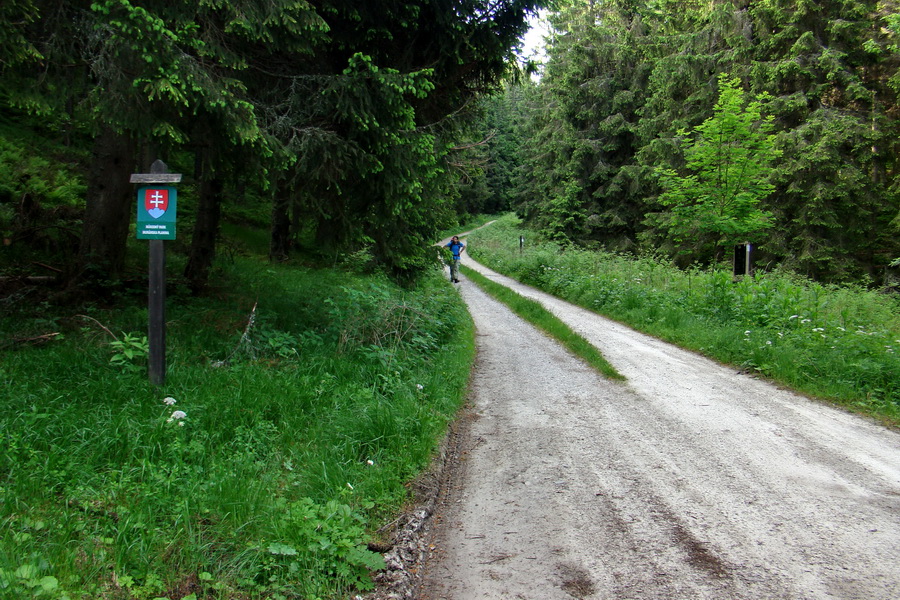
(743, 260)
(156, 212)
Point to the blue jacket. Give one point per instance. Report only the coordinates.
(455, 248)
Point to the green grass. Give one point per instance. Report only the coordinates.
(298, 440)
(540, 317)
(840, 343)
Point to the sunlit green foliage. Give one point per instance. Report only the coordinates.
(728, 164)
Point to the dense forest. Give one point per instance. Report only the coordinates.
(655, 126)
(684, 127)
(333, 121)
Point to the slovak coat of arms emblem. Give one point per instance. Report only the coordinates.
(156, 202)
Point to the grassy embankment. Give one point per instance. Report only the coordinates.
(294, 441)
(840, 343)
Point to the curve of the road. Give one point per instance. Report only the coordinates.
(689, 480)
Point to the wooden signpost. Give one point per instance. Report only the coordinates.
(743, 260)
(156, 211)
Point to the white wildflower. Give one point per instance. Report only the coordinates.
(420, 387)
(370, 463)
(169, 401)
(176, 416)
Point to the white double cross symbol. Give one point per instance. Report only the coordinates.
(156, 198)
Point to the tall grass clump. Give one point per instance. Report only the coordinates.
(836, 342)
(298, 404)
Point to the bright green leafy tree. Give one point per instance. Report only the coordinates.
(726, 174)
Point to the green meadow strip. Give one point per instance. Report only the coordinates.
(544, 320)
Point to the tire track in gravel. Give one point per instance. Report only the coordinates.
(687, 481)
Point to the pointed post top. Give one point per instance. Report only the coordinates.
(159, 173)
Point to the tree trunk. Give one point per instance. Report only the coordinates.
(280, 241)
(110, 198)
(206, 228)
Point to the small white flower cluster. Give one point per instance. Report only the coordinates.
(861, 331)
(747, 338)
(177, 415)
(803, 320)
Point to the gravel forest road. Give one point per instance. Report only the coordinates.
(687, 481)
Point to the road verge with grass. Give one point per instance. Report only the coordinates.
(544, 320)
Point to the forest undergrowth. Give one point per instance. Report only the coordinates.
(838, 343)
(298, 405)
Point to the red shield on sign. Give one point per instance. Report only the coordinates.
(156, 202)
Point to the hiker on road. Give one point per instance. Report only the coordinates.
(456, 247)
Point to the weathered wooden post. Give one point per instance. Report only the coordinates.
(156, 212)
(743, 260)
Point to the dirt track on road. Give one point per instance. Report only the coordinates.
(688, 481)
